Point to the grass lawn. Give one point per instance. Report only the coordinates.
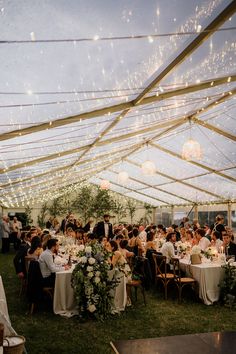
(49, 333)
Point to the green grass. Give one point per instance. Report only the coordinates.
(48, 333)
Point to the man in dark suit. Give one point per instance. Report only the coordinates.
(229, 246)
(104, 228)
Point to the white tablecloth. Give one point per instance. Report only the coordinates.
(64, 303)
(208, 276)
(4, 316)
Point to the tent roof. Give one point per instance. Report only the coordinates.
(90, 89)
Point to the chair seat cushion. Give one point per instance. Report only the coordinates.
(168, 276)
(187, 280)
(134, 283)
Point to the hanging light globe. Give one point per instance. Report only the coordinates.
(148, 168)
(105, 184)
(123, 177)
(191, 150)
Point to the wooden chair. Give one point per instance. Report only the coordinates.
(23, 287)
(35, 288)
(161, 272)
(181, 282)
(137, 283)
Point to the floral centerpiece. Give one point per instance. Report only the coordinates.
(91, 283)
(182, 247)
(210, 252)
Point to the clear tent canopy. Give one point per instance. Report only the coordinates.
(90, 89)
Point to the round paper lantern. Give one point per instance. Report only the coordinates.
(123, 177)
(148, 168)
(191, 150)
(105, 184)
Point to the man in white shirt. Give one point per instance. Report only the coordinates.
(46, 262)
(142, 234)
(167, 248)
(203, 241)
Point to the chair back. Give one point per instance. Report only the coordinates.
(34, 282)
(160, 265)
(28, 259)
(176, 268)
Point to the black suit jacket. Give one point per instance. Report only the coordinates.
(19, 259)
(231, 249)
(100, 229)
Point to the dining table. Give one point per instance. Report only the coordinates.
(208, 275)
(4, 315)
(64, 303)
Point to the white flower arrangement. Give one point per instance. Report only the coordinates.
(97, 280)
(181, 246)
(81, 247)
(91, 260)
(88, 249)
(210, 252)
(91, 282)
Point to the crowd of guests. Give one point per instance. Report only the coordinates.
(124, 241)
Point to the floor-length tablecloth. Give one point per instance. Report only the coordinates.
(4, 316)
(208, 276)
(64, 302)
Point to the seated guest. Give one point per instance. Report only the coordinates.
(44, 239)
(47, 265)
(123, 250)
(70, 232)
(189, 237)
(142, 234)
(135, 244)
(150, 243)
(79, 236)
(176, 230)
(229, 246)
(103, 241)
(182, 232)
(167, 248)
(19, 259)
(216, 240)
(36, 248)
(201, 240)
(118, 239)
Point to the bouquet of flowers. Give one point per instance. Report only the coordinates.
(210, 252)
(182, 246)
(91, 283)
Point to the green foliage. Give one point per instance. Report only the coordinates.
(28, 218)
(146, 219)
(131, 206)
(84, 201)
(57, 207)
(119, 209)
(103, 203)
(91, 282)
(228, 286)
(42, 215)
